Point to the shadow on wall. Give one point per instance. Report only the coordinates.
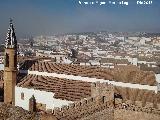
(117, 96)
(1, 95)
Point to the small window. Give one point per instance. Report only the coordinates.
(22, 96)
(7, 60)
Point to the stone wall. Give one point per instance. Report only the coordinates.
(138, 106)
(103, 106)
(10, 76)
(123, 114)
(129, 111)
(85, 109)
(102, 89)
(10, 112)
(101, 109)
(106, 114)
(98, 106)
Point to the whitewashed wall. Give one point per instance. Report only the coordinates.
(40, 96)
(134, 61)
(158, 81)
(1, 66)
(157, 77)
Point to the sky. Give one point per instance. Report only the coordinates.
(48, 17)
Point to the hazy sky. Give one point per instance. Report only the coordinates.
(47, 17)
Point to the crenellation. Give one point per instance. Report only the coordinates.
(84, 101)
(104, 99)
(56, 110)
(90, 100)
(98, 100)
(102, 85)
(109, 103)
(49, 111)
(154, 111)
(64, 107)
(102, 89)
(71, 105)
(129, 102)
(93, 84)
(138, 103)
(149, 104)
(77, 104)
(83, 108)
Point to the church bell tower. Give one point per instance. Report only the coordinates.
(10, 65)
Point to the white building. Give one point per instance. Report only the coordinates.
(22, 96)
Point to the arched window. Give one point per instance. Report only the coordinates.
(7, 60)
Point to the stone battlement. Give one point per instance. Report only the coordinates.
(83, 108)
(89, 106)
(102, 105)
(102, 89)
(105, 86)
(102, 98)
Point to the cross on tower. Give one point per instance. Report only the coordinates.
(11, 20)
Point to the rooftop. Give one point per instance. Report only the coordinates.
(126, 74)
(64, 89)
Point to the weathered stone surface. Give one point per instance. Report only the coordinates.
(122, 114)
(106, 114)
(9, 112)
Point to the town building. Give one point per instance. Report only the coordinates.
(71, 92)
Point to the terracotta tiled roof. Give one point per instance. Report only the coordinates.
(69, 69)
(129, 74)
(71, 90)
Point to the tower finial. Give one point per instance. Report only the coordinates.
(11, 41)
(10, 20)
